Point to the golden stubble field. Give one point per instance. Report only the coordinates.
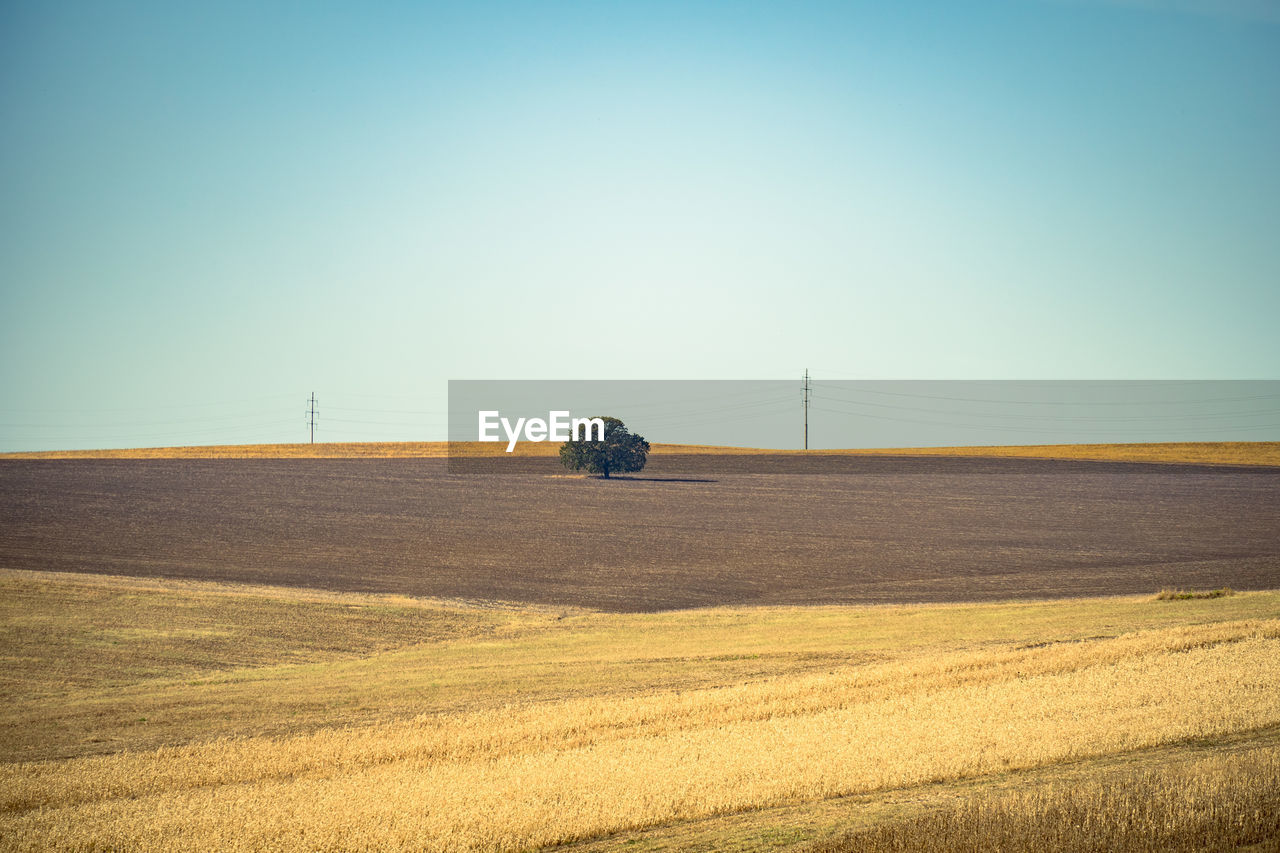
(151, 714)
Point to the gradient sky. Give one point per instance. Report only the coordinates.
(211, 211)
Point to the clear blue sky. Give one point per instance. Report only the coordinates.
(211, 210)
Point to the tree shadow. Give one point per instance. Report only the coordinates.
(656, 479)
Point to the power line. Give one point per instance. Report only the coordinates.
(863, 387)
(1078, 405)
(135, 409)
(1043, 429)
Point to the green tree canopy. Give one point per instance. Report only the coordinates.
(620, 451)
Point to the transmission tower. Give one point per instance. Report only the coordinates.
(808, 389)
(312, 412)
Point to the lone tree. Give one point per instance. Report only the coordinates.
(620, 451)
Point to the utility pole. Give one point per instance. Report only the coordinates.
(807, 389)
(311, 416)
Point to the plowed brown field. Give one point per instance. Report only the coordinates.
(882, 529)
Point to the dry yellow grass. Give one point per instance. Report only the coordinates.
(1206, 453)
(67, 630)
(839, 701)
(1203, 452)
(818, 826)
(1198, 452)
(332, 450)
(1221, 802)
(530, 776)
(86, 658)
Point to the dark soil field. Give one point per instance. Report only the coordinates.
(881, 529)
